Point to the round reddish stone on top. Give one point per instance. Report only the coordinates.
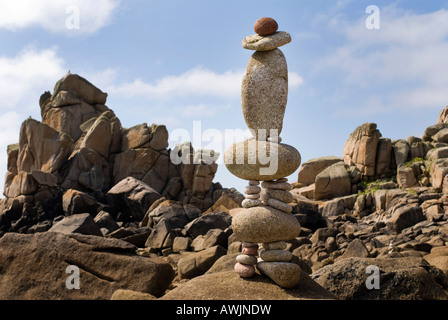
(265, 26)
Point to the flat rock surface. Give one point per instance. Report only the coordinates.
(229, 286)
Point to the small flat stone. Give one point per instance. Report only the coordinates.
(250, 203)
(246, 259)
(252, 189)
(265, 26)
(254, 182)
(252, 251)
(276, 185)
(276, 255)
(284, 274)
(282, 180)
(280, 205)
(266, 43)
(281, 195)
(253, 196)
(248, 244)
(278, 245)
(244, 270)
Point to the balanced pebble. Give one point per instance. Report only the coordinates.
(278, 245)
(249, 203)
(252, 189)
(281, 195)
(247, 244)
(252, 251)
(276, 255)
(254, 182)
(279, 205)
(253, 196)
(282, 180)
(275, 185)
(244, 270)
(265, 26)
(246, 259)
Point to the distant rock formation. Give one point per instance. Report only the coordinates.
(81, 148)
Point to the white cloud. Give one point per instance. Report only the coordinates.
(55, 16)
(404, 61)
(194, 82)
(24, 77)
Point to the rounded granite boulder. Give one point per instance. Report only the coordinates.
(265, 224)
(264, 93)
(261, 160)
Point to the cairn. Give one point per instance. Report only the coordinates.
(266, 221)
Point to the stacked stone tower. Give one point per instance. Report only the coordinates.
(266, 221)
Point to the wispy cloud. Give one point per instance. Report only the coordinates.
(407, 54)
(54, 15)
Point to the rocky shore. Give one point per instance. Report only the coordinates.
(83, 191)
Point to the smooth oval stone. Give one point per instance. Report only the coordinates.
(247, 259)
(244, 270)
(249, 203)
(281, 195)
(254, 182)
(248, 244)
(265, 26)
(261, 160)
(276, 255)
(264, 224)
(282, 185)
(284, 274)
(252, 189)
(266, 43)
(264, 93)
(278, 245)
(280, 205)
(253, 196)
(252, 251)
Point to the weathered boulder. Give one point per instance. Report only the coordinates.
(227, 285)
(196, 264)
(201, 225)
(311, 168)
(77, 223)
(399, 279)
(443, 116)
(404, 217)
(35, 267)
(401, 151)
(332, 182)
(361, 148)
(42, 148)
(406, 177)
(383, 157)
(87, 170)
(74, 201)
(132, 197)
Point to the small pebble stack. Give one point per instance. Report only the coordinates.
(252, 198)
(246, 261)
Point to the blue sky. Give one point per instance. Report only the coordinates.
(175, 62)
